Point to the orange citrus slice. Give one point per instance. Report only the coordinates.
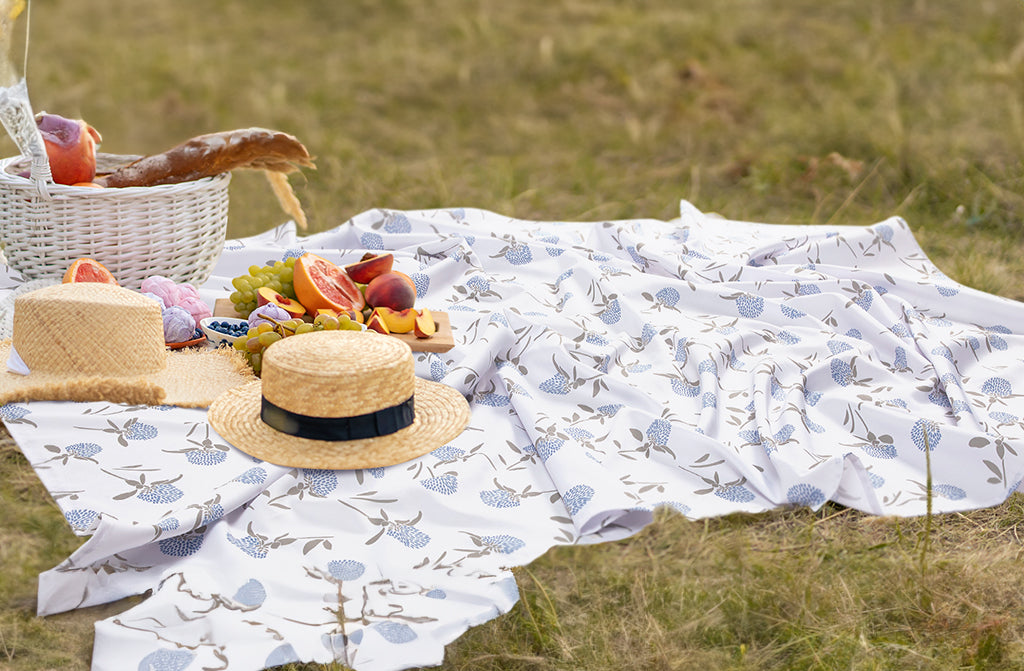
(321, 284)
(88, 270)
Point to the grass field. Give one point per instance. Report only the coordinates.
(794, 111)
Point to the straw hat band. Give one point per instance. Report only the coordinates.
(341, 377)
(381, 422)
(89, 329)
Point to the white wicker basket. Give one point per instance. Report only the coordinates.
(174, 230)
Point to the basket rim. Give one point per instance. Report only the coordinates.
(8, 179)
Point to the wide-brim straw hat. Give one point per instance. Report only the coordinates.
(339, 400)
(90, 341)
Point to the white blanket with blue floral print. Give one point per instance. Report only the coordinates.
(708, 365)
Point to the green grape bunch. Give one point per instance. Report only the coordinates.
(255, 342)
(277, 275)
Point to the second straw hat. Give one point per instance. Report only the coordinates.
(339, 400)
(90, 341)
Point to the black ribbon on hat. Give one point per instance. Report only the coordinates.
(371, 425)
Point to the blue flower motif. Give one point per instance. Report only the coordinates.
(805, 495)
(397, 222)
(1003, 417)
(855, 334)
(499, 498)
(577, 497)
(206, 457)
(408, 535)
(395, 632)
(166, 660)
(183, 545)
(556, 384)
(346, 569)
(951, 492)
(442, 484)
(881, 451)
(281, 655)
(667, 296)
(788, 338)
(842, 373)
(554, 251)
(81, 519)
(320, 482)
(503, 544)
(438, 369)
(864, 300)
(519, 254)
(140, 431)
(371, 241)
(252, 593)
(436, 594)
(422, 282)
(169, 524)
(611, 314)
(254, 476)
(946, 291)
(493, 400)
(447, 453)
(923, 427)
(10, 412)
(735, 493)
(708, 400)
(609, 410)
(685, 389)
(791, 312)
(579, 433)
(596, 339)
(658, 432)
(997, 387)
(160, 493)
(250, 545)
(900, 330)
(807, 289)
(837, 346)
(546, 447)
(750, 306)
(84, 450)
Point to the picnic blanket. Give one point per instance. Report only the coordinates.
(613, 367)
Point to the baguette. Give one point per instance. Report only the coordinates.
(212, 154)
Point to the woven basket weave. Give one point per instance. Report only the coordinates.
(174, 230)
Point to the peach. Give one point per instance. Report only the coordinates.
(370, 266)
(265, 295)
(398, 321)
(391, 290)
(377, 323)
(70, 147)
(424, 326)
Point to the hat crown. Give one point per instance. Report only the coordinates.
(337, 373)
(89, 328)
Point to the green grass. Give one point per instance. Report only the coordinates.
(843, 112)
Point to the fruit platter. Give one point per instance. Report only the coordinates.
(308, 292)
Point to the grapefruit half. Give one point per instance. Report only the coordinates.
(322, 284)
(88, 270)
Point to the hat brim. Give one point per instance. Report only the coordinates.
(191, 379)
(441, 415)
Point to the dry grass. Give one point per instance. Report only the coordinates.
(793, 111)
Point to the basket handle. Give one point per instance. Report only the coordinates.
(16, 115)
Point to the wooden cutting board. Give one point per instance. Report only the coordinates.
(441, 341)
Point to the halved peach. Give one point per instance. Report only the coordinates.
(370, 266)
(424, 325)
(398, 321)
(377, 323)
(265, 295)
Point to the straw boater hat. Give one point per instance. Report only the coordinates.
(339, 400)
(90, 341)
